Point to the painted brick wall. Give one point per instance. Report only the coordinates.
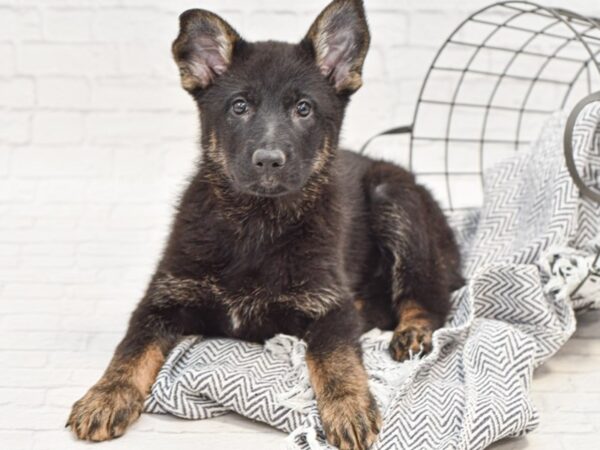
(97, 138)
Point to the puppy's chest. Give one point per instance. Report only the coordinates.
(259, 319)
(250, 300)
(264, 287)
(273, 292)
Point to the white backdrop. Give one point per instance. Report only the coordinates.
(97, 138)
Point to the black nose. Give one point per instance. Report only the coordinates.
(267, 159)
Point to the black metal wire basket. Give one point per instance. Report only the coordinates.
(489, 89)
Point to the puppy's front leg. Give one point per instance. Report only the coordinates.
(117, 399)
(348, 410)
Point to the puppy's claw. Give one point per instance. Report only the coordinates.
(105, 411)
(409, 341)
(352, 422)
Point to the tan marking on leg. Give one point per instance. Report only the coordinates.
(116, 401)
(348, 411)
(145, 369)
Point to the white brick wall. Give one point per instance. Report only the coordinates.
(96, 140)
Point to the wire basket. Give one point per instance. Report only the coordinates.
(489, 89)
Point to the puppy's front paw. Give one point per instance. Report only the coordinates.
(351, 422)
(105, 411)
(410, 340)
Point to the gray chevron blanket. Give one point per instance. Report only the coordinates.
(528, 256)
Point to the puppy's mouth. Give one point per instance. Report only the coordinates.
(267, 186)
(268, 189)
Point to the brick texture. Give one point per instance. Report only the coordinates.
(96, 141)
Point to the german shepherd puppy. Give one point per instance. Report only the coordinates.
(281, 232)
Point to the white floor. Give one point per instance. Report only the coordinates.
(37, 388)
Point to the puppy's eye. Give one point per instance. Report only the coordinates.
(239, 106)
(303, 108)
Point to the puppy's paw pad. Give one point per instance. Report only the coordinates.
(410, 341)
(105, 412)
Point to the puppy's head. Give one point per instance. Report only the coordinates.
(270, 111)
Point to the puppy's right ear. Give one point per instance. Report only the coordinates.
(340, 41)
(203, 49)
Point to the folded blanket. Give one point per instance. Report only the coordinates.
(513, 314)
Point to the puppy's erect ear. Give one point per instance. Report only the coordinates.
(340, 40)
(203, 49)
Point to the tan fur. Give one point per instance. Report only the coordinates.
(189, 67)
(348, 411)
(144, 370)
(176, 289)
(242, 305)
(359, 304)
(393, 226)
(245, 308)
(319, 36)
(414, 331)
(323, 157)
(93, 417)
(116, 401)
(215, 152)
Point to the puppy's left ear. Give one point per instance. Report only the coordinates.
(340, 39)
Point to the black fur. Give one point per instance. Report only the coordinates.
(322, 245)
